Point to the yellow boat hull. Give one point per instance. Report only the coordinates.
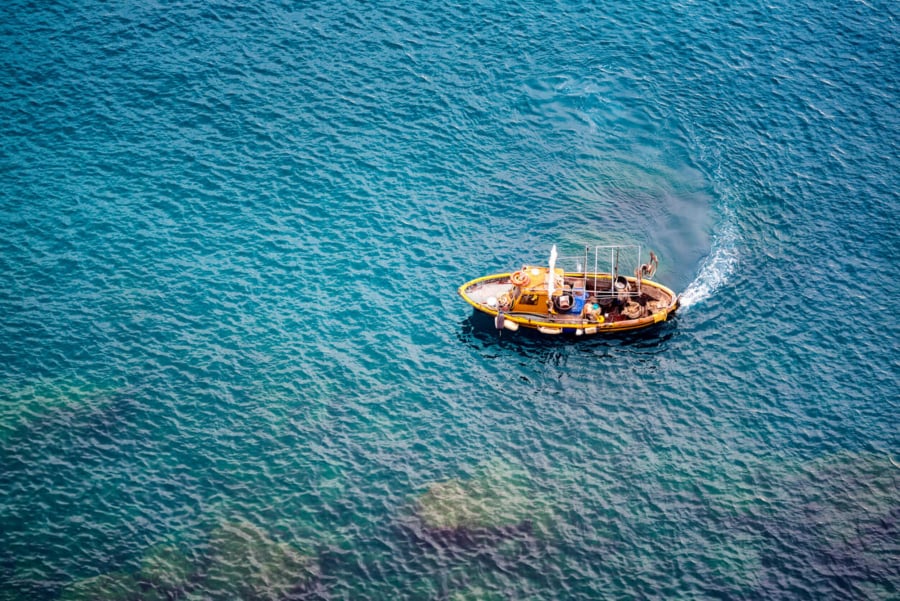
(486, 294)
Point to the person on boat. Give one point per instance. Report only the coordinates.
(593, 310)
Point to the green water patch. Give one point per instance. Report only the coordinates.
(115, 586)
(244, 561)
(238, 560)
(165, 569)
(165, 572)
(25, 406)
(497, 498)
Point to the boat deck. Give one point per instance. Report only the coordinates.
(585, 301)
(598, 289)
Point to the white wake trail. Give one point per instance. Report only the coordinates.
(715, 270)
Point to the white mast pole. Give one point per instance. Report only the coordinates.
(551, 275)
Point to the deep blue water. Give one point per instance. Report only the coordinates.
(230, 239)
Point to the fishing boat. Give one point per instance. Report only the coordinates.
(609, 290)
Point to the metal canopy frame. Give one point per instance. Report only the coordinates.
(620, 256)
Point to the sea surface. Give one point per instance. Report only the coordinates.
(234, 365)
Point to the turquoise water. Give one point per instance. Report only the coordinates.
(232, 350)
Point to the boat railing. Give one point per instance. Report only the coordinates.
(606, 270)
(619, 261)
